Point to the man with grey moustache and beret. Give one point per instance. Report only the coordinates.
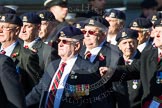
(68, 82)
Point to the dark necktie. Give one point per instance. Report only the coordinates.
(54, 87)
(3, 52)
(87, 55)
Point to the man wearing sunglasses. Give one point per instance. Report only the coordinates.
(78, 76)
(101, 52)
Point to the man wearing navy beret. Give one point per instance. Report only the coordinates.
(148, 68)
(143, 26)
(30, 35)
(116, 19)
(68, 82)
(127, 43)
(48, 22)
(26, 62)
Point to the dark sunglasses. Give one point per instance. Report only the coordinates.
(64, 41)
(89, 32)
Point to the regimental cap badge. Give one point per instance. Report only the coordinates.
(78, 26)
(64, 0)
(91, 22)
(112, 15)
(154, 17)
(124, 34)
(3, 18)
(62, 34)
(41, 15)
(25, 19)
(135, 24)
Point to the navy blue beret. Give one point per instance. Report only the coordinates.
(11, 18)
(158, 23)
(5, 10)
(70, 32)
(141, 23)
(96, 22)
(31, 17)
(126, 33)
(50, 3)
(46, 15)
(101, 20)
(115, 14)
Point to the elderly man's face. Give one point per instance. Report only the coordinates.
(67, 47)
(8, 32)
(158, 37)
(128, 46)
(92, 36)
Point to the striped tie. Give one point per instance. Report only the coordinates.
(3, 52)
(55, 86)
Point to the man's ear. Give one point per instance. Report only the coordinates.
(77, 46)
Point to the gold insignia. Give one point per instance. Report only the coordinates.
(64, 0)
(41, 15)
(62, 34)
(3, 18)
(135, 24)
(154, 17)
(78, 26)
(91, 22)
(25, 19)
(112, 15)
(124, 34)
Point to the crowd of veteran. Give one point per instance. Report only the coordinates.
(91, 61)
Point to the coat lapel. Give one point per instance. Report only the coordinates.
(16, 53)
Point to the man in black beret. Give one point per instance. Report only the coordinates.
(96, 49)
(30, 35)
(148, 68)
(72, 88)
(127, 43)
(59, 8)
(143, 26)
(26, 62)
(48, 22)
(116, 19)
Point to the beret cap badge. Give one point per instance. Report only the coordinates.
(124, 34)
(62, 34)
(91, 21)
(161, 22)
(25, 19)
(154, 17)
(41, 15)
(135, 24)
(3, 18)
(112, 15)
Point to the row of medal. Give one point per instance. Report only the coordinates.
(77, 90)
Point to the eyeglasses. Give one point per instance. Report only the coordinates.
(65, 41)
(89, 32)
(7, 28)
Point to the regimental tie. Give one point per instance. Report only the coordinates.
(50, 101)
(87, 55)
(3, 52)
(160, 58)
